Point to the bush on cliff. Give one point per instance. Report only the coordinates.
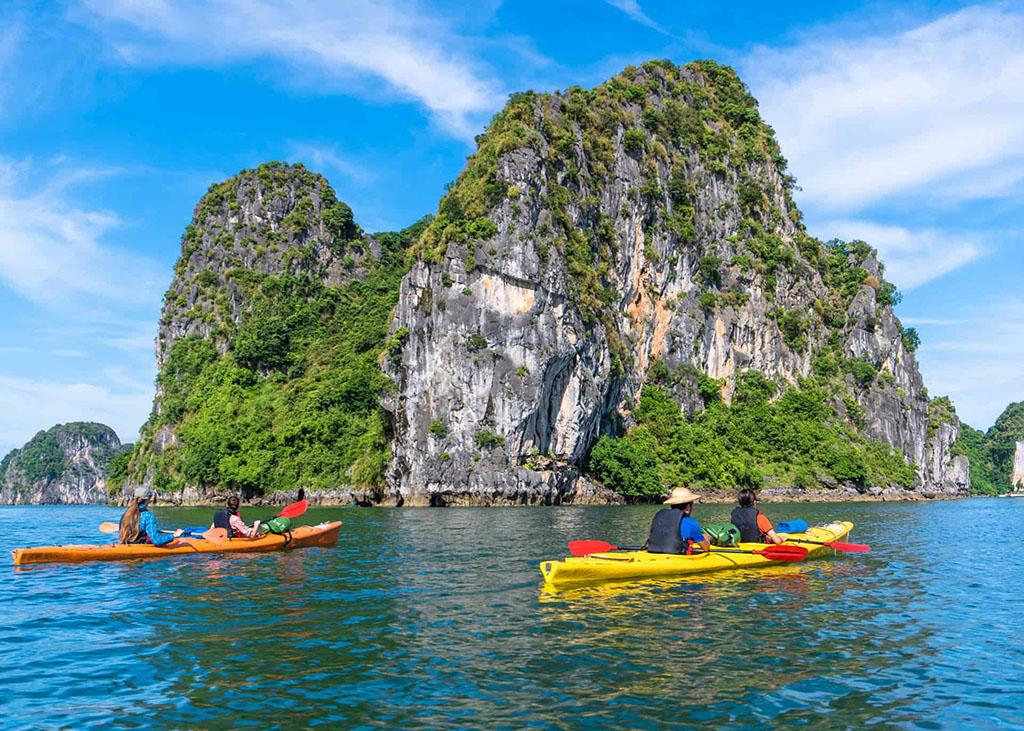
(796, 438)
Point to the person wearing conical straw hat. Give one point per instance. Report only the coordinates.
(673, 530)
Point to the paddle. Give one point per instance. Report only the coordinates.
(585, 548)
(772, 553)
(838, 545)
(294, 510)
(215, 535)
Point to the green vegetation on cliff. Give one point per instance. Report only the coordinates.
(795, 439)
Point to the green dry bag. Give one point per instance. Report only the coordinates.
(276, 525)
(722, 534)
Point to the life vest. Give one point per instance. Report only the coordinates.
(665, 536)
(222, 519)
(746, 520)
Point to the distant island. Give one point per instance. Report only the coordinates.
(617, 293)
(68, 464)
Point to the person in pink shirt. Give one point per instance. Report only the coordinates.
(232, 520)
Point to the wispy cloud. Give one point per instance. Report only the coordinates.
(935, 112)
(53, 252)
(911, 258)
(129, 336)
(26, 406)
(976, 360)
(337, 44)
(633, 10)
(325, 158)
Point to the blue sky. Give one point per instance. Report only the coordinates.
(902, 122)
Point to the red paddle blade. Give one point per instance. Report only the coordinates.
(584, 548)
(852, 547)
(784, 553)
(294, 510)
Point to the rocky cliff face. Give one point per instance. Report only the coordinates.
(1017, 474)
(65, 465)
(596, 232)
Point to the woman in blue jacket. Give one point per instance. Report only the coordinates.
(138, 525)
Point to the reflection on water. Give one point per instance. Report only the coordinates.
(439, 619)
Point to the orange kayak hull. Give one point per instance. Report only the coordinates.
(325, 534)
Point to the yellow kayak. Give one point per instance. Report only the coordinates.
(625, 565)
(325, 534)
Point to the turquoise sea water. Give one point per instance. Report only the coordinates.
(438, 619)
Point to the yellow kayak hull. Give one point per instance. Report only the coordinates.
(325, 534)
(626, 565)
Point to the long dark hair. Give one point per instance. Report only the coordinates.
(747, 498)
(129, 527)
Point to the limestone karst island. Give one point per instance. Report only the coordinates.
(616, 293)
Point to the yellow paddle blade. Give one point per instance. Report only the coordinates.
(108, 527)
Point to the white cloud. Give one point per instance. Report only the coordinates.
(937, 111)
(320, 157)
(911, 258)
(633, 10)
(340, 44)
(976, 360)
(135, 337)
(26, 406)
(53, 252)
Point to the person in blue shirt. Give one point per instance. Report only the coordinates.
(138, 525)
(673, 530)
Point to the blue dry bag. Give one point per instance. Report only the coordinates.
(791, 526)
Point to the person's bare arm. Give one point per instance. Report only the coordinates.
(774, 537)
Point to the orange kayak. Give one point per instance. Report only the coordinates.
(325, 534)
